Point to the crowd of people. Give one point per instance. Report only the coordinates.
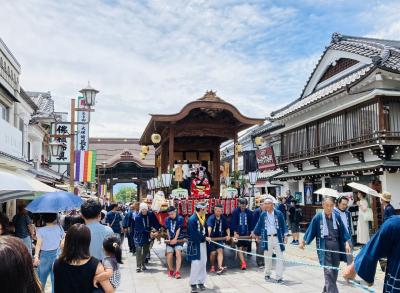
(82, 251)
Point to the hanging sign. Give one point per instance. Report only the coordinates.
(266, 159)
(82, 137)
(61, 129)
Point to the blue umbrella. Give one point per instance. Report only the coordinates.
(54, 202)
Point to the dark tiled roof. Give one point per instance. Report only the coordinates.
(385, 54)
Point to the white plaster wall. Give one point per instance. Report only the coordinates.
(391, 183)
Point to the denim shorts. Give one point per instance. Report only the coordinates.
(171, 249)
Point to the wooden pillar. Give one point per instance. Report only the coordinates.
(164, 158)
(236, 154)
(171, 147)
(72, 149)
(216, 178)
(382, 127)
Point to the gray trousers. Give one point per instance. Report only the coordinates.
(331, 259)
(141, 253)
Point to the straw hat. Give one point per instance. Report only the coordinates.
(386, 196)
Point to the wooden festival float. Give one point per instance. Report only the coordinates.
(187, 144)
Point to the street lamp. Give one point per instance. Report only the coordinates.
(89, 95)
(104, 164)
(253, 180)
(56, 148)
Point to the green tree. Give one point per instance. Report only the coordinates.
(125, 194)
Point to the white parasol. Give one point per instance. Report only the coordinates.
(327, 192)
(363, 188)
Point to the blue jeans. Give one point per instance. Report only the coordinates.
(45, 268)
(28, 243)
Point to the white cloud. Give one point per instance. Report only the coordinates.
(154, 56)
(384, 17)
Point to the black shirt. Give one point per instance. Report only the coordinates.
(74, 279)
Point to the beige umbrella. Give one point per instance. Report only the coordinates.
(363, 188)
(325, 191)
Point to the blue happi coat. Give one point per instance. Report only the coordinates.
(388, 212)
(242, 226)
(349, 224)
(143, 226)
(315, 230)
(217, 231)
(173, 225)
(196, 235)
(385, 243)
(280, 225)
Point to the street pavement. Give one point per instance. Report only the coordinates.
(298, 278)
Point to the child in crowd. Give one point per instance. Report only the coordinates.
(113, 252)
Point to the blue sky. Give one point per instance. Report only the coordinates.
(155, 56)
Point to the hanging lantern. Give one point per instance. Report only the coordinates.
(259, 140)
(142, 156)
(155, 138)
(145, 149)
(239, 148)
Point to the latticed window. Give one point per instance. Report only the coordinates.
(339, 66)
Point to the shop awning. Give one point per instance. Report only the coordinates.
(18, 194)
(269, 174)
(18, 184)
(340, 169)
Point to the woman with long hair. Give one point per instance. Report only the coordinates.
(16, 270)
(75, 270)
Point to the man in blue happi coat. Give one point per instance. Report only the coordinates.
(242, 225)
(342, 211)
(129, 225)
(217, 227)
(174, 225)
(330, 233)
(256, 215)
(388, 209)
(385, 243)
(145, 221)
(271, 228)
(196, 251)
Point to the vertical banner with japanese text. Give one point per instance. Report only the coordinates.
(61, 131)
(82, 135)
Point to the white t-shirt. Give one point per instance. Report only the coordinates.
(51, 237)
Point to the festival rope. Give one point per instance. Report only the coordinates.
(365, 288)
(306, 247)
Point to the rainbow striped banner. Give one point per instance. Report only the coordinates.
(102, 189)
(85, 166)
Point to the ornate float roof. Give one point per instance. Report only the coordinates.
(375, 53)
(209, 104)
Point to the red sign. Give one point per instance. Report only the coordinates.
(266, 159)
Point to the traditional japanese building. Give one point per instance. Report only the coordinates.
(345, 126)
(195, 134)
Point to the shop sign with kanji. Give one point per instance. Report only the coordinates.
(62, 129)
(82, 137)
